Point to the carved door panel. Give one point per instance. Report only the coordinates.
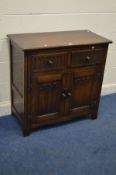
(48, 96)
(86, 87)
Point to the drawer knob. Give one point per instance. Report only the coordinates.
(88, 58)
(69, 94)
(64, 95)
(50, 62)
(93, 47)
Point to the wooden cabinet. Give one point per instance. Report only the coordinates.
(56, 77)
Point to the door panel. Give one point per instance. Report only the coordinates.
(48, 95)
(86, 86)
(82, 91)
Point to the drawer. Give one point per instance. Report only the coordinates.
(49, 61)
(87, 71)
(87, 57)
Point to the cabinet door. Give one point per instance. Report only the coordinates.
(86, 85)
(47, 95)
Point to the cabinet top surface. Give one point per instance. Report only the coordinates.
(31, 41)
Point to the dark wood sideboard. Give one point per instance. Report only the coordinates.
(56, 76)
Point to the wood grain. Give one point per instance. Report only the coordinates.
(67, 88)
(56, 39)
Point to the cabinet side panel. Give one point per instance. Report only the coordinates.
(18, 70)
(17, 62)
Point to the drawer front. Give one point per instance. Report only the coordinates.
(49, 61)
(87, 57)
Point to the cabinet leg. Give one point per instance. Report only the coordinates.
(12, 112)
(26, 132)
(26, 127)
(94, 116)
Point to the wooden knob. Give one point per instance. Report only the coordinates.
(69, 94)
(88, 58)
(93, 47)
(50, 62)
(64, 95)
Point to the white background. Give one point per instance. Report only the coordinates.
(22, 16)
